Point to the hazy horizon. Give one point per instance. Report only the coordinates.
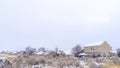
(62, 24)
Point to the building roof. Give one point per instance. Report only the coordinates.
(95, 43)
(81, 54)
(39, 53)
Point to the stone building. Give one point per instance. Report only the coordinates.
(98, 49)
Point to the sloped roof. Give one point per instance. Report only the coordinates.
(82, 54)
(40, 53)
(94, 44)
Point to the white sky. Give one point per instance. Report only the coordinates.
(63, 23)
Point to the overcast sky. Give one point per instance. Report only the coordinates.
(63, 23)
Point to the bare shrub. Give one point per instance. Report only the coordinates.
(49, 62)
(42, 61)
(91, 64)
(31, 61)
(52, 54)
(108, 64)
(6, 64)
(115, 60)
(18, 62)
(77, 64)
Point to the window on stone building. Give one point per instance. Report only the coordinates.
(92, 49)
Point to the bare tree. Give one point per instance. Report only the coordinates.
(29, 50)
(118, 52)
(41, 49)
(52, 54)
(76, 50)
(56, 49)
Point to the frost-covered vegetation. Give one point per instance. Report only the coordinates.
(42, 58)
(34, 61)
